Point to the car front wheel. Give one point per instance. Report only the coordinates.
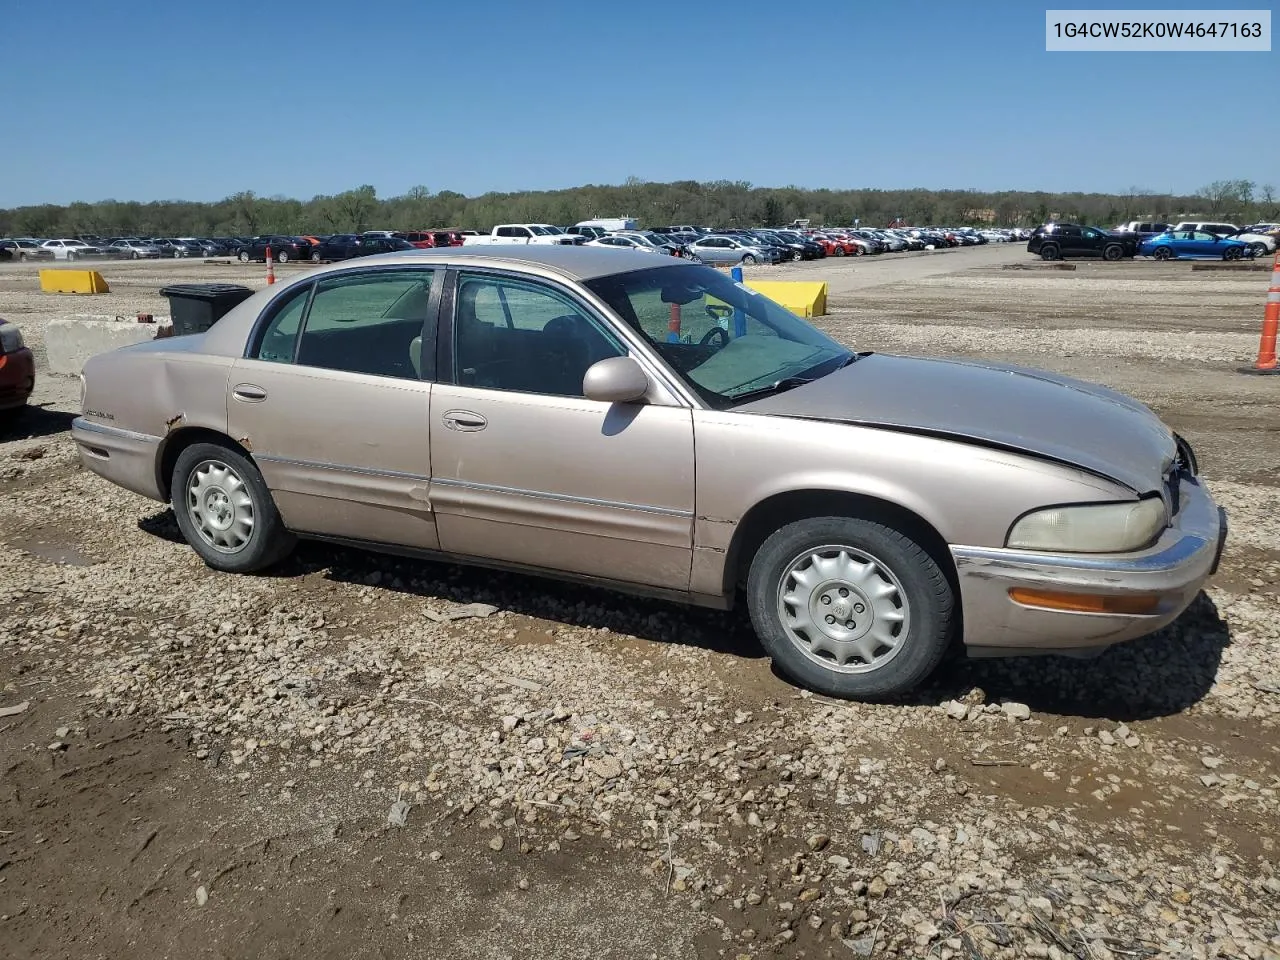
(748, 258)
(1163, 253)
(1231, 253)
(225, 510)
(850, 607)
(1049, 251)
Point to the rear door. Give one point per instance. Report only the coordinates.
(525, 469)
(333, 401)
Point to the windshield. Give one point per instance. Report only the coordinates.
(723, 339)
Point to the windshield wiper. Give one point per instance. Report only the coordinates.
(798, 380)
(778, 386)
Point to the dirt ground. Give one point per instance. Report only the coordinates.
(198, 765)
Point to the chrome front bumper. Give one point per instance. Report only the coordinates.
(1174, 569)
(122, 456)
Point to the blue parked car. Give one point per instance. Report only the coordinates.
(1194, 245)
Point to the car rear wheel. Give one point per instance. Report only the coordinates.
(244, 256)
(225, 511)
(1112, 252)
(839, 251)
(850, 607)
(1049, 251)
(1163, 253)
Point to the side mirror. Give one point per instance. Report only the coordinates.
(615, 380)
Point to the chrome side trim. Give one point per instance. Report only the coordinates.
(119, 433)
(1004, 560)
(564, 498)
(341, 467)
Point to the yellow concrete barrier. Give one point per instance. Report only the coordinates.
(73, 281)
(804, 298)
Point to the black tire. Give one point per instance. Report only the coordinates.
(1257, 249)
(315, 256)
(924, 590)
(244, 256)
(71, 255)
(1112, 252)
(840, 251)
(282, 256)
(797, 255)
(135, 255)
(1049, 251)
(1231, 253)
(1163, 253)
(748, 258)
(269, 541)
(858, 251)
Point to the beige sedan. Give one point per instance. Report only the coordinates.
(648, 424)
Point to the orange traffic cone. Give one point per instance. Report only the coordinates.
(271, 268)
(1266, 362)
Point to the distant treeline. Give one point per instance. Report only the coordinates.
(721, 203)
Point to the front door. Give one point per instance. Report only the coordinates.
(333, 403)
(527, 470)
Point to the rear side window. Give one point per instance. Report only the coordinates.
(280, 337)
(369, 323)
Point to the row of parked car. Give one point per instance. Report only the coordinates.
(1188, 240)
(733, 245)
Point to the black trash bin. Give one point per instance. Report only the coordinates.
(195, 307)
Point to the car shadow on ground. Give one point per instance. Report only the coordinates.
(1155, 676)
(34, 422)
(527, 595)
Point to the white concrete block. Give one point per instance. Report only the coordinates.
(70, 341)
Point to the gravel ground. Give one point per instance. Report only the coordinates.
(362, 756)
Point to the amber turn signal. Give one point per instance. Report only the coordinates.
(1084, 602)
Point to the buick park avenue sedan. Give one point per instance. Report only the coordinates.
(647, 424)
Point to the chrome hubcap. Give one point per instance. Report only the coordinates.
(219, 505)
(843, 609)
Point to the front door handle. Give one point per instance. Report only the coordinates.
(249, 392)
(464, 421)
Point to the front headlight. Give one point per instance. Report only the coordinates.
(10, 338)
(1091, 528)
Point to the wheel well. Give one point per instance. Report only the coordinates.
(179, 440)
(783, 508)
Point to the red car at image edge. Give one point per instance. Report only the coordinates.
(17, 370)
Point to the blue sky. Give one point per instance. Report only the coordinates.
(145, 100)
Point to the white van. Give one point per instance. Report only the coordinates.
(610, 224)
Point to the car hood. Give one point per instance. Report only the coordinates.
(1043, 414)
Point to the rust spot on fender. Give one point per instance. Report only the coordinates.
(246, 443)
(174, 421)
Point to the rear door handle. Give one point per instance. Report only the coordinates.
(249, 392)
(463, 421)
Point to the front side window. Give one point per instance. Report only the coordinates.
(724, 340)
(1092, 234)
(516, 335)
(368, 323)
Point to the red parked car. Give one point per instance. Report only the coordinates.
(422, 239)
(17, 371)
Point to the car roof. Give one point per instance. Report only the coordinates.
(571, 261)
